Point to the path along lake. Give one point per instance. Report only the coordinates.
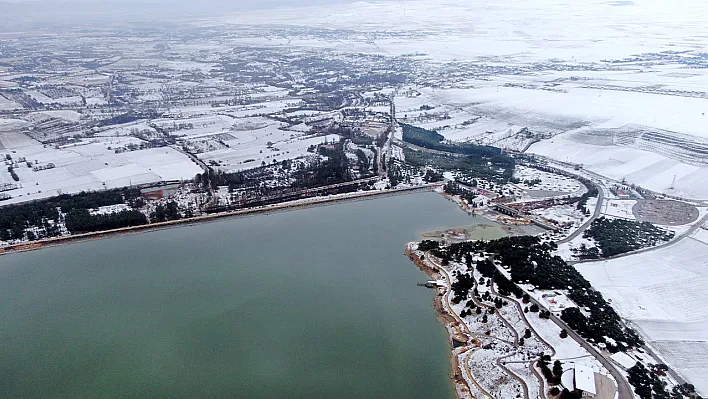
(313, 303)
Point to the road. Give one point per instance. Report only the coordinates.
(591, 174)
(686, 234)
(461, 323)
(623, 387)
(469, 333)
(192, 157)
(625, 390)
(595, 215)
(679, 379)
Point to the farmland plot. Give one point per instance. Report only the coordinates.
(663, 293)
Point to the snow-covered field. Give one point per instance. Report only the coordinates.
(252, 141)
(663, 293)
(579, 31)
(548, 184)
(6, 104)
(574, 101)
(94, 165)
(607, 131)
(647, 169)
(619, 209)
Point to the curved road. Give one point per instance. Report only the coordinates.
(595, 215)
(623, 387)
(686, 234)
(506, 323)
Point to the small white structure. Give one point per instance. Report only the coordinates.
(585, 381)
(623, 359)
(581, 378)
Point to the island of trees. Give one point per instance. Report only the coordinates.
(618, 236)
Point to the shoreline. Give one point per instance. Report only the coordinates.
(248, 212)
(447, 321)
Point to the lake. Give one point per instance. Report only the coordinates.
(313, 303)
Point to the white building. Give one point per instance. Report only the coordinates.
(580, 378)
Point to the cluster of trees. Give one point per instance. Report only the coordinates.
(469, 165)
(237, 180)
(423, 137)
(428, 245)
(485, 161)
(552, 376)
(130, 116)
(648, 383)
(527, 182)
(435, 141)
(95, 199)
(530, 261)
(394, 173)
(432, 176)
(618, 236)
(81, 220)
(333, 170)
(590, 193)
(461, 288)
(453, 188)
(162, 213)
(362, 161)
(14, 219)
(362, 140)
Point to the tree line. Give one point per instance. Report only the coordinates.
(530, 261)
(453, 188)
(477, 157)
(648, 383)
(14, 219)
(81, 220)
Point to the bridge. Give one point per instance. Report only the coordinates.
(507, 210)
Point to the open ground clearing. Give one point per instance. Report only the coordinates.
(663, 293)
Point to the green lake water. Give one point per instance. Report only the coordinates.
(313, 303)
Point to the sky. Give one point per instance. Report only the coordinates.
(40, 12)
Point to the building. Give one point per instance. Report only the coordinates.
(621, 194)
(165, 191)
(585, 381)
(580, 378)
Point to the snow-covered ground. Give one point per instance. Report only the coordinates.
(647, 169)
(546, 181)
(580, 92)
(587, 31)
(495, 333)
(663, 293)
(607, 131)
(94, 165)
(619, 209)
